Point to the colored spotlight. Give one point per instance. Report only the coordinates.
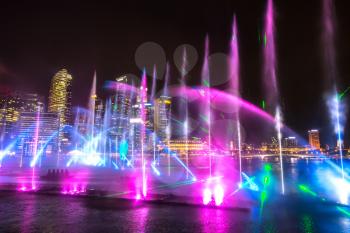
(206, 196)
(218, 195)
(342, 188)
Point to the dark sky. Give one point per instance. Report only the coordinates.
(39, 38)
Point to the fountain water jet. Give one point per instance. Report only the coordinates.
(154, 136)
(185, 105)
(271, 87)
(278, 120)
(168, 127)
(235, 87)
(143, 97)
(206, 86)
(336, 109)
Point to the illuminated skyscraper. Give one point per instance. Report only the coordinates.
(314, 139)
(99, 113)
(60, 96)
(31, 102)
(162, 117)
(120, 109)
(12, 105)
(46, 137)
(290, 142)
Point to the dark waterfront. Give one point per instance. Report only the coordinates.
(37, 213)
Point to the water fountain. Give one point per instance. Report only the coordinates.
(152, 98)
(235, 89)
(143, 99)
(335, 107)
(185, 105)
(205, 78)
(114, 140)
(270, 76)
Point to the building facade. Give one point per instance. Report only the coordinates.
(60, 98)
(314, 139)
(37, 132)
(162, 120)
(60, 102)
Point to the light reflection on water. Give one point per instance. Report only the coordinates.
(28, 216)
(38, 213)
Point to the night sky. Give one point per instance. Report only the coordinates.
(37, 39)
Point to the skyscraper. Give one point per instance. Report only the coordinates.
(290, 142)
(60, 96)
(162, 117)
(12, 105)
(60, 102)
(314, 139)
(37, 129)
(31, 102)
(120, 109)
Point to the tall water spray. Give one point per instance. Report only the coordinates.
(185, 104)
(206, 86)
(235, 85)
(91, 107)
(91, 118)
(168, 127)
(105, 127)
(154, 84)
(143, 98)
(36, 144)
(270, 79)
(278, 119)
(335, 107)
(152, 98)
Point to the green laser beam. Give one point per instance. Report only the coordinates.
(263, 104)
(306, 189)
(341, 95)
(344, 211)
(307, 224)
(267, 167)
(266, 181)
(263, 196)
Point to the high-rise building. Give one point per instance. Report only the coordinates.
(314, 139)
(9, 115)
(60, 102)
(121, 110)
(136, 124)
(61, 96)
(290, 142)
(99, 114)
(12, 105)
(135, 128)
(162, 111)
(37, 131)
(31, 102)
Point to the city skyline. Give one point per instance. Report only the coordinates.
(57, 104)
(111, 55)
